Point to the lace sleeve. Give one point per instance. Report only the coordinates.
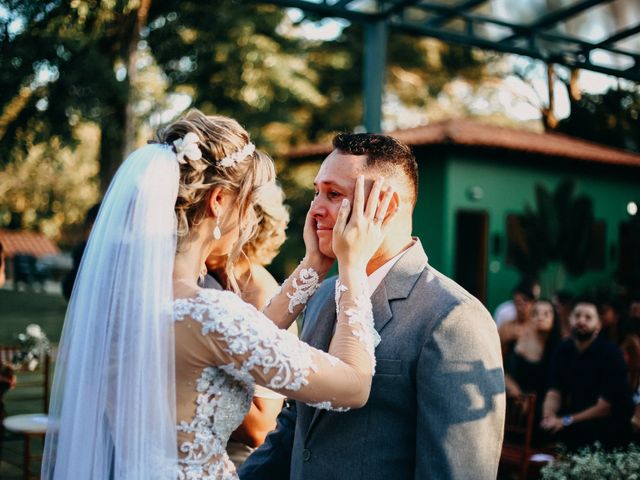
(289, 300)
(247, 342)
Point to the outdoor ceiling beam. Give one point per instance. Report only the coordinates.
(559, 15)
(584, 46)
(577, 55)
(447, 10)
(375, 65)
(326, 10)
(342, 3)
(445, 17)
(621, 35)
(483, 19)
(400, 5)
(569, 59)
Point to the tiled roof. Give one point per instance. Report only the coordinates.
(36, 244)
(472, 133)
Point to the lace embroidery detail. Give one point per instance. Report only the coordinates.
(275, 294)
(328, 406)
(223, 400)
(339, 290)
(276, 352)
(360, 319)
(309, 283)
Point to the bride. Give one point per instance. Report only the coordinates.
(155, 373)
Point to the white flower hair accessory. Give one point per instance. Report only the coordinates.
(187, 147)
(231, 160)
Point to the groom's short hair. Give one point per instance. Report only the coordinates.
(384, 153)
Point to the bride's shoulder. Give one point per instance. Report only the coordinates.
(208, 303)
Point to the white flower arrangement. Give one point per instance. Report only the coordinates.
(231, 160)
(34, 345)
(187, 147)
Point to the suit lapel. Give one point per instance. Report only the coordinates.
(318, 334)
(318, 331)
(396, 285)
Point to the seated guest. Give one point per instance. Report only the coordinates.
(609, 312)
(507, 311)
(524, 296)
(589, 398)
(7, 382)
(631, 351)
(527, 364)
(257, 286)
(563, 303)
(631, 321)
(2, 268)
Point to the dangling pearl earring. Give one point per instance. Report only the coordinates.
(216, 231)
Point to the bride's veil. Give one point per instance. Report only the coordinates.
(112, 410)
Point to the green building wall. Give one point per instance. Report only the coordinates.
(507, 182)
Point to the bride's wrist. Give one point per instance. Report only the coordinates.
(319, 263)
(352, 274)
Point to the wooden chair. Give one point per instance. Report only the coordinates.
(32, 385)
(518, 432)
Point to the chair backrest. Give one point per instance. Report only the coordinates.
(36, 382)
(519, 419)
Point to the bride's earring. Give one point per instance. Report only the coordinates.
(203, 274)
(216, 231)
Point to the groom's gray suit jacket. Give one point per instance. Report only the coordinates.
(436, 408)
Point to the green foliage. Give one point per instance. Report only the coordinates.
(558, 231)
(611, 118)
(52, 187)
(595, 463)
(68, 64)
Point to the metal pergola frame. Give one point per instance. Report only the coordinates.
(529, 40)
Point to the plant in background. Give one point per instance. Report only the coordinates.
(595, 463)
(555, 238)
(34, 345)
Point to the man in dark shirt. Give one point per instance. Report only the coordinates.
(589, 398)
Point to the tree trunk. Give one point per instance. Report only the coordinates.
(548, 114)
(118, 121)
(574, 89)
(111, 143)
(142, 16)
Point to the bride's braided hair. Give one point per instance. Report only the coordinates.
(219, 137)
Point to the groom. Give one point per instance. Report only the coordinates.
(436, 408)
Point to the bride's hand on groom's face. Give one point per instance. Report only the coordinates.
(359, 231)
(319, 261)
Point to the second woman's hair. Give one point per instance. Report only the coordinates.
(219, 137)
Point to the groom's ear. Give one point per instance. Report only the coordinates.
(394, 204)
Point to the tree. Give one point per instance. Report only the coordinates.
(611, 118)
(64, 63)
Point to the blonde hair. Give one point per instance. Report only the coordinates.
(272, 220)
(219, 137)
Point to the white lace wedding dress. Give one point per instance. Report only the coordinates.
(224, 347)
